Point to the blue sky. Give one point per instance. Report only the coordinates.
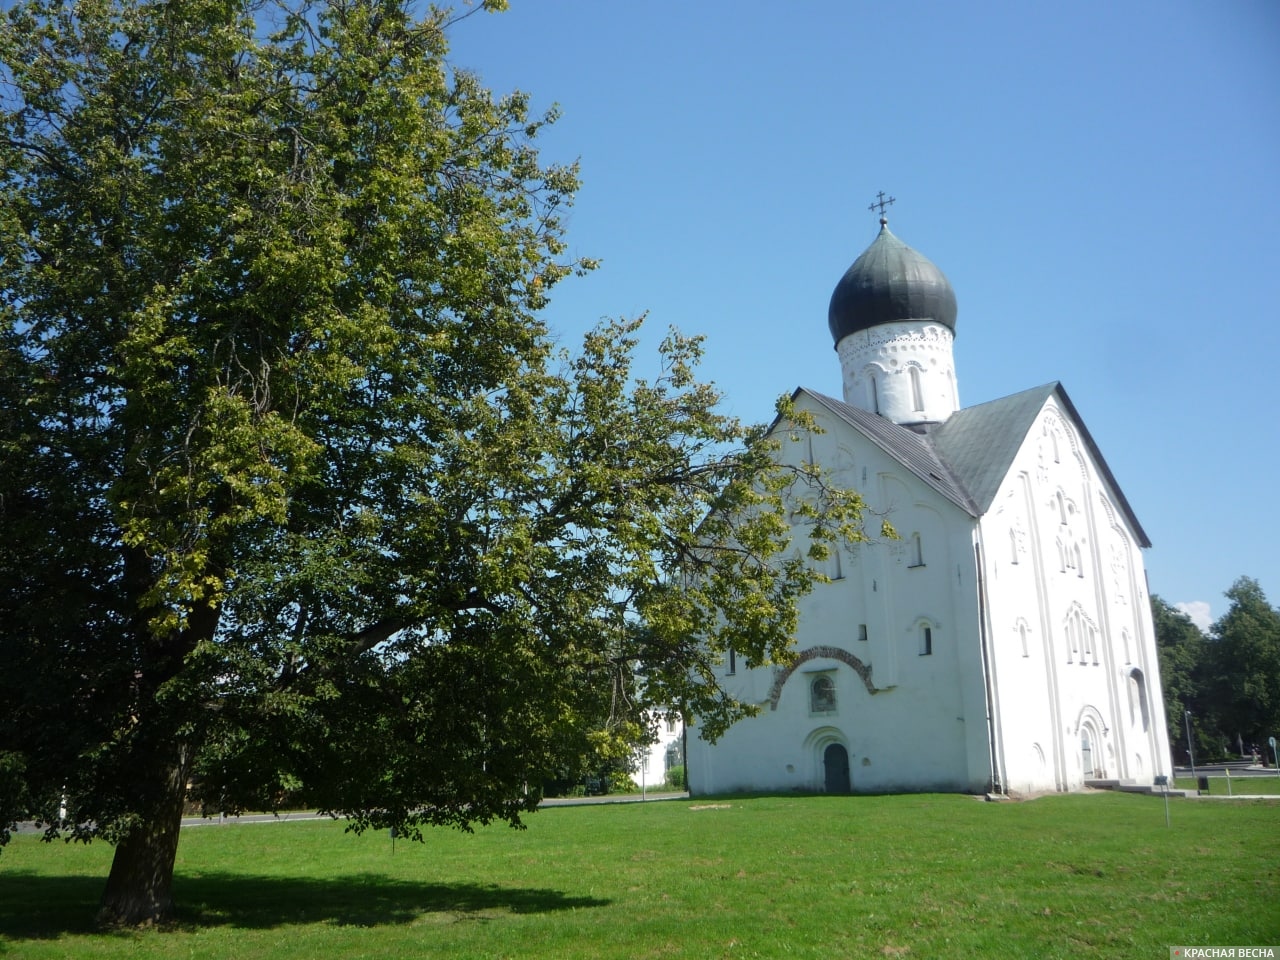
(1099, 181)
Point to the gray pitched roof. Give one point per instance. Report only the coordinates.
(979, 443)
(967, 457)
(912, 450)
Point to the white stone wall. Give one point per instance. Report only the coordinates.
(1073, 650)
(1057, 604)
(904, 371)
(923, 727)
(652, 764)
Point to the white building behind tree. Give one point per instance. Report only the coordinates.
(1005, 641)
(657, 759)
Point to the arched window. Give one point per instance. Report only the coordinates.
(1013, 545)
(1081, 635)
(1076, 556)
(874, 395)
(926, 641)
(1138, 710)
(733, 662)
(822, 695)
(917, 395)
(917, 551)
(1022, 639)
(1062, 508)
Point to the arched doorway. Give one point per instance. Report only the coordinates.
(835, 768)
(1086, 752)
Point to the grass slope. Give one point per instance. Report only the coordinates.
(821, 877)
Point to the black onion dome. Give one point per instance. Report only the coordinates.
(890, 282)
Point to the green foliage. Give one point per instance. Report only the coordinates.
(297, 492)
(676, 778)
(1243, 666)
(620, 782)
(1230, 681)
(1180, 647)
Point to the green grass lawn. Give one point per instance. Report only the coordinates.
(821, 877)
(1269, 785)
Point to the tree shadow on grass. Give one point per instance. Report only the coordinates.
(36, 907)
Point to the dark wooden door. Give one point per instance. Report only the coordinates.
(835, 764)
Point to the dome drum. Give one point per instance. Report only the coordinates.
(893, 317)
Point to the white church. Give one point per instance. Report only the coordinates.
(1004, 643)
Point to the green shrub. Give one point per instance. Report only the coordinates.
(620, 782)
(675, 777)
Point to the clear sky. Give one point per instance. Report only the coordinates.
(1100, 182)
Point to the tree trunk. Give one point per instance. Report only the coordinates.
(140, 886)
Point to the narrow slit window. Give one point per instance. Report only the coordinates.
(917, 551)
(862, 632)
(917, 395)
(926, 641)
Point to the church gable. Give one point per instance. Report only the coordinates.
(979, 445)
(907, 449)
(1067, 601)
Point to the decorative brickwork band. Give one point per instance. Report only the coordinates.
(817, 653)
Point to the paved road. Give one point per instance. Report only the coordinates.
(297, 815)
(549, 802)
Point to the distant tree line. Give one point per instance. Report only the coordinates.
(1229, 678)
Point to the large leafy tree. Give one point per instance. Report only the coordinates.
(1180, 647)
(296, 491)
(1242, 675)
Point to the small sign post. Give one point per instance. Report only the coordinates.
(1274, 760)
(1163, 782)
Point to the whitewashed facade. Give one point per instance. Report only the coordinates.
(654, 762)
(1004, 642)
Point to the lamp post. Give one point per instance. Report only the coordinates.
(1190, 750)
